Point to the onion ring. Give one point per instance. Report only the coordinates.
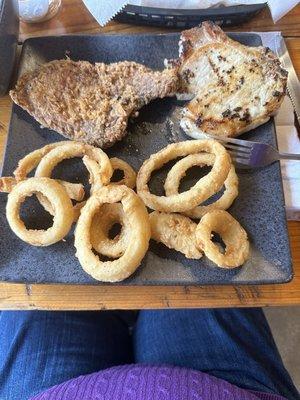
(31, 160)
(102, 169)
(106, 217)
(129, 178)
(7, 183)
(201, 191)
(94, 173)
(138, 241)
(177, 172)
(60, 202)
(74, 190)
(77, 209)
(71, 150)
(231, 232)
(176, 232)
(47, 206)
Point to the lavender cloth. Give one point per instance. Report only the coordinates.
(142, 382)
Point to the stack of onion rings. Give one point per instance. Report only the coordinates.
(178, 171)
(201, 191)
(74, 190)
(137, 242)
(71, 150)
(31, 160)
(28, 163)
(113, 203)
(7, 183)
(179, 232)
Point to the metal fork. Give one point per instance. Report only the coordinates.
(252, 154)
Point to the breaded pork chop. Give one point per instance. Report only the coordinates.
(147, 84)
(235, 87)
(90, 103)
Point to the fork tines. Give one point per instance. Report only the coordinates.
(239, 150)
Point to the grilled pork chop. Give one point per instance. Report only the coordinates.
(90, 103)
(235, 87)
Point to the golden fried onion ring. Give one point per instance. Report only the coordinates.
(102, 169)
(176, 232)
(95, 175)
(138, 241)
(76, 149)
(60, 201)
(74, 190)
(232, 233)
(31, 161)
(201, 191)
(104, 219)
(77, 209)
(7, 183)
(129, 178)
(178, 171)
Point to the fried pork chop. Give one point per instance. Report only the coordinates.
(90, 103)
(235, 87)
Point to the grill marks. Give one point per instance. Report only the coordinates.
(236, 87)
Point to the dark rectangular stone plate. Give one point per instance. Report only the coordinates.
(259, 206)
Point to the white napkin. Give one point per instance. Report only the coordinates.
(288, 142)
(104, 10)
(279, 8)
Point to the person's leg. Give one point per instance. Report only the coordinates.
(41, 349)
(233, 344)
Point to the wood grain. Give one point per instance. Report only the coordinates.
(5, 107)
(71, 297)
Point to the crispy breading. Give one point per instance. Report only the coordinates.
(176, 232)
(90, 103)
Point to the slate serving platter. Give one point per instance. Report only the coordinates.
(259, 206)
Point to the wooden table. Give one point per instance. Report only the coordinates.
(74, 18)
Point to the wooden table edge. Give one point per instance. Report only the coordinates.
(72, 297)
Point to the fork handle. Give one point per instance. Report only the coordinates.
(288, 156)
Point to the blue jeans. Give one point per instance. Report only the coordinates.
(41, 349)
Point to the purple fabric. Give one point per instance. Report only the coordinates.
(141, 382)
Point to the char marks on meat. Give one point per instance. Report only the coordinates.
(235, 87)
